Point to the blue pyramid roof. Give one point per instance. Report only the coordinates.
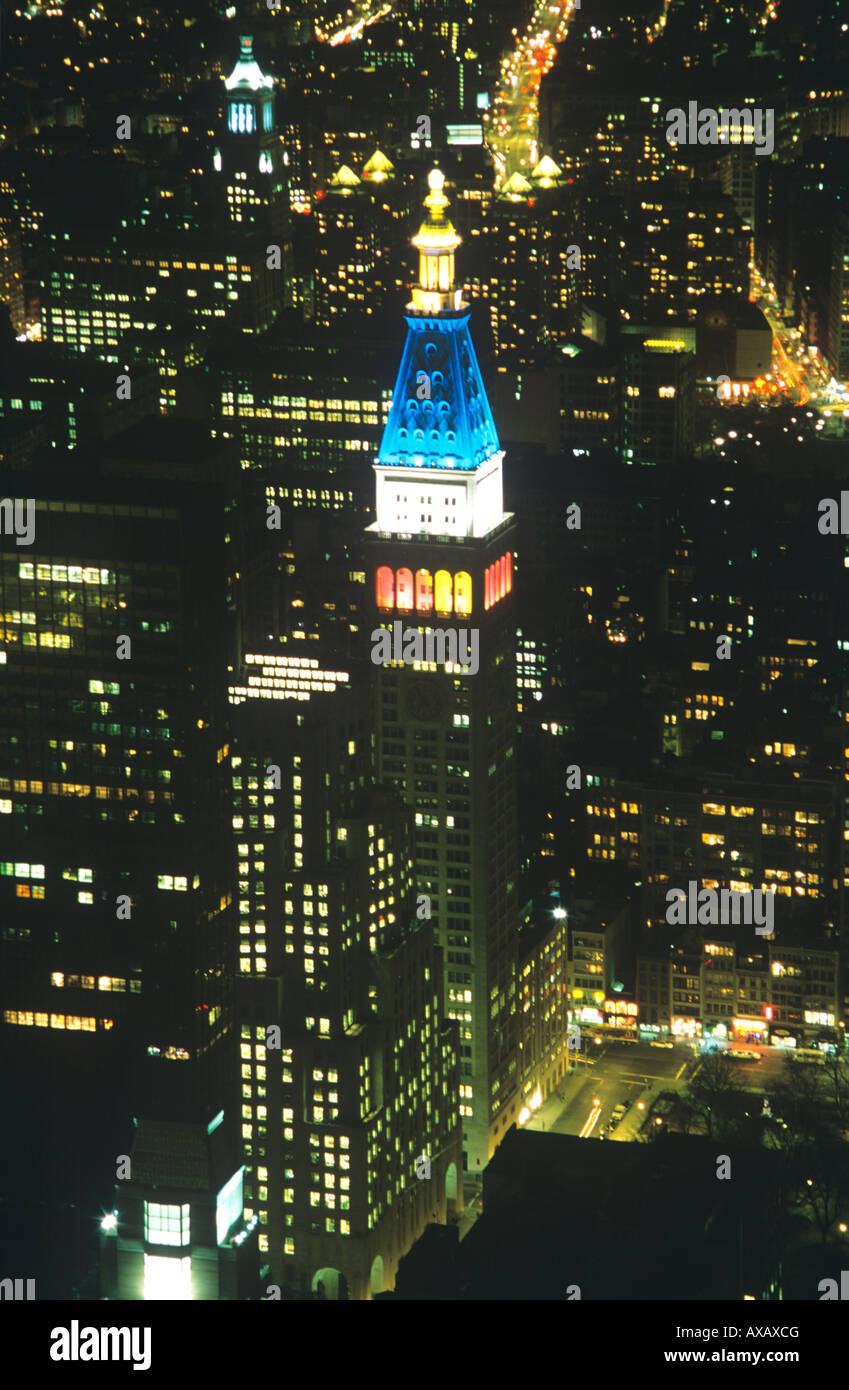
(454, 428)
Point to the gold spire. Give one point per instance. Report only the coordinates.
(436, 243)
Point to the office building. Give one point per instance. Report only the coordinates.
(441, 556)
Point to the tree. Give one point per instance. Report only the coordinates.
(801, 1097)
(821, 1183)
(835, 1083)
(713, 1095)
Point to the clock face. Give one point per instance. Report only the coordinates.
(423, 699)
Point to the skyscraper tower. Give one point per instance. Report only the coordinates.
(114, 946)
(442, 550)
(249, 154)
(350, 1130)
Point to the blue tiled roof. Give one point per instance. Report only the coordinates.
(454, 428)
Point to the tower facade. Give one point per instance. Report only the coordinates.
(350, 1130)
(249, 152)
(117, 1000)
(442, 564)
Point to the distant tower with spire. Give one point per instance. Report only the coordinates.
(248, 153)
(442, 558)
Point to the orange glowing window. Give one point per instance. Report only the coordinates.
(462, 592)
(385, 587)
(424, 591)
(509, 559)
(502, 576)
(443, 601)
(404, 589)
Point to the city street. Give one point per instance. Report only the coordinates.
(624, 1072)
(512, 126)
(637, 1072)
(633, 1074)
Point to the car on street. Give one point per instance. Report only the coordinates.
(742, 1054)
(656, 1043)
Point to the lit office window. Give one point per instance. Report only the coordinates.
(167, 1277)
(166, 1225)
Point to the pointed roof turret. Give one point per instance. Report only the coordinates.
(546, 172)
(436, 242)
(344, 179)
(440, 415)
(247, 74)
(378, 168)
(517, 186)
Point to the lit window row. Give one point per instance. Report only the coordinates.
(111, 983)
(442, 592)
(71, 1022)
(498, 580)
(70, 573)
(21, 870)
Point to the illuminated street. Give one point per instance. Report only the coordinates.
(360, 16)
(623, 1073)
(801, 367)
(512, 126)
(633, 1074)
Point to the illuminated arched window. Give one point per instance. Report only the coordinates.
(509, 559)
(385, 587)
(462, 592)
(443, 601)
(502, 576)
(487, 587)
(424, 591)
(404, 589)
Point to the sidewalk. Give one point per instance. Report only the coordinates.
(567, 1089)
(634, 1118)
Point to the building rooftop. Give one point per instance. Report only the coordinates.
(619, 1221)
(247, 75)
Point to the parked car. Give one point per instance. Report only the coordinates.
(742, 1054)
(808, 1055)
(661, 1044)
